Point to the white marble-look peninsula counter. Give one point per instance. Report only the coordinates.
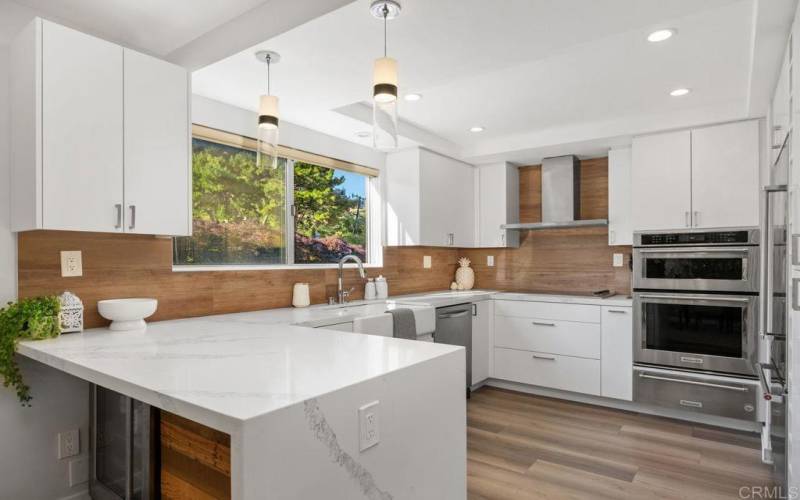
(289, 398)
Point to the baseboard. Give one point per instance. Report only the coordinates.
(729, 423)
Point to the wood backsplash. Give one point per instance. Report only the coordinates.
(117, 265)
(557, 260)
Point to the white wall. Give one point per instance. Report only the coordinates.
(29, 469)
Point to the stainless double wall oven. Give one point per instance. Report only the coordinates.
(696, 300)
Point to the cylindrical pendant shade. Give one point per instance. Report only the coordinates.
(268, 115)
(384, 78)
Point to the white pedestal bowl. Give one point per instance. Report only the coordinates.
(127, 314)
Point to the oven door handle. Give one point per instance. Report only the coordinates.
(740, 250)
(695, 382)
(712, 298)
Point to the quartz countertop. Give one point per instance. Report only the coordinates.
(225, 370)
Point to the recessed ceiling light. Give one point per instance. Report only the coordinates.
(679, 92)
(476, 128)
(660, 35)
(363, 134)
(413, 97)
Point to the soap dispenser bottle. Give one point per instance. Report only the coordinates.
(382, 287)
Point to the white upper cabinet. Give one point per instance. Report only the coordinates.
(95, 128)
(430, 200)
(780, 108)
(725, 175)
(156, 146)
(498, 204)
(661, 181)
(620, 226)
(701, 178)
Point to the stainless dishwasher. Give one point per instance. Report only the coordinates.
(454, 326)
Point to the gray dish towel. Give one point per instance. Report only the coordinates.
(404, 326)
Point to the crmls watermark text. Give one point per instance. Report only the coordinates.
(769, 493)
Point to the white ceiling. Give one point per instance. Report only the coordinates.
(535, 73)
(158, 26)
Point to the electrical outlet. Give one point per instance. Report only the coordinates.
(368, 426)
(426, 261)
(490, 260)
(71, 263)
(78, 471)
(69, 443)
(618, 260)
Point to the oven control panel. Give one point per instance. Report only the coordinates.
(697, 238)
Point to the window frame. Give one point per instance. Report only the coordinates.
(373, 248)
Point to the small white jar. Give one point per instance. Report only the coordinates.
(382, 287)
(300, 295)
(370, 292)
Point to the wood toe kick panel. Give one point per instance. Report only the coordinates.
(548, 370)
(195, 460)
(548, 310)
(567, 338)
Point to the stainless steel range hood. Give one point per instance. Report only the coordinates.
(561, 199)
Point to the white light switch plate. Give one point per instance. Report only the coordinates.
(426, 261)
(368, 432)
(71, 263)
(618, 259)
(69, 443)
(490, 260)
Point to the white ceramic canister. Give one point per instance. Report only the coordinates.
(370, 291)
(382, 287)
(300, 295)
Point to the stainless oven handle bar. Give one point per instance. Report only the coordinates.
(766, 248)
(694, 250)
(710, 298)
(694, 382)
(765, 385)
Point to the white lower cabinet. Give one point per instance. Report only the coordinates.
(566, 373)
(543, 335)
(581, 348)
(617, 353)
(482, 340)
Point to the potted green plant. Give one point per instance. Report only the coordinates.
(34, 318)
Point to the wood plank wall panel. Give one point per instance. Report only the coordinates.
(558, 260)
(195, 460)
(119, 265)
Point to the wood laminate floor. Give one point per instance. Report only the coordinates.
(529, 447)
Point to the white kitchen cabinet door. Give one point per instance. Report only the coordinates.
(620, 227)
(482, 340)
(81, 131)
(447, 201)
(725, 166)
(157, 168)
(498, 204)
(661, 181)
(616, 356)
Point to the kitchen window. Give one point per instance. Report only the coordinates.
(309, 210)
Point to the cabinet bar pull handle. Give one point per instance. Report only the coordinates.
(542, 323)
(474, 309)
(118, 207)
(691, 404)
(546, 358)
(133, 217)
(617, 311)
(686, 216)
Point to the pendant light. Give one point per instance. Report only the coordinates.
(268, 117)
(384, 83)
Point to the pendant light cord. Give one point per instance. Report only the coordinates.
(269, 59)
(385, 16)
